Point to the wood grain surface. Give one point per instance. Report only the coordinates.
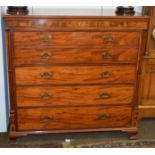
(77, 39)
(75, 74)
(75, 95)
(78, 55)
(42, 23)
(73, 118)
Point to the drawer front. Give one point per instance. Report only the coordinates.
(73, 118)
(76, 39)
(74, 95)
(78, 55)
(75, 74)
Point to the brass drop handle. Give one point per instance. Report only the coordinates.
(106, 74)
(106, 55)
(46, 38)
(46, 96)
(45, 55)
(46, 75)
(108, 38)
(104, 117)
(153, 33)
(106, 95)
(47, 118)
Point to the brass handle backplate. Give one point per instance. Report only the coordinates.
(106, 55)
(106, 95)
(45, 55)
(106, 74)
(46, 75)
(46, 96)
(47, 118)
(104, 117)
(153, 33)
(46, 38)
(108, 38)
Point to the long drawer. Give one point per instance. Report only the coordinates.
(76, 39)
(74, 95)
(76, 55)
(75, 74)
(73, 118)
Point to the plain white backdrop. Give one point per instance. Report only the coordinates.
(3, 89)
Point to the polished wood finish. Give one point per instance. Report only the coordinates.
(74, 74)
(147, 104)
(111, 22)
(73, 118)
(77, 39)
(67, 95)
(24, 56)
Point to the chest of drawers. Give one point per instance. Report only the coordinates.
(74, 74)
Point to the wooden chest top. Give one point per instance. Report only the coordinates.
(30, 22)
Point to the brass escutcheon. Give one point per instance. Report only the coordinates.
(106, 55)
(106, 74)
(106, 95)
(46, 75)
(46, 96)
(108, 38)
(47, 118)
(104, 117)
(46, 38)
(45, 55)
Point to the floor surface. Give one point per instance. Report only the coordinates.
(146, 131)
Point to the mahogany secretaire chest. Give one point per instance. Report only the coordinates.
(74, 73)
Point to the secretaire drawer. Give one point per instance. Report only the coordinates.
(73, 118)
(74, 95)
(77, 55)
(76, 39)
(75, 74)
